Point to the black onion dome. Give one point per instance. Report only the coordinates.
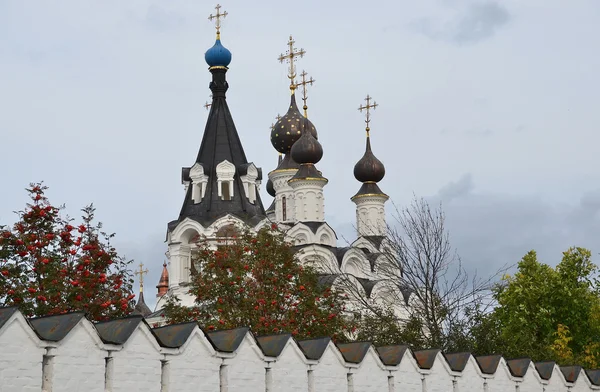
(369, 168)
(270, 188)
(287, 130)
(307, 149)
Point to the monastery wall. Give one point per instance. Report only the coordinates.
(70, 353)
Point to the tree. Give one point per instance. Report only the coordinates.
(255, 280)
(552, 313)
(445, 301)
(50, 265)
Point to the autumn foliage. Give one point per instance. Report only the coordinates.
(50, 264)
(255, 280)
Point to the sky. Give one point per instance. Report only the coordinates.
(489, 107)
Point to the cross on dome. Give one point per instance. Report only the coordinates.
(303, 84)
(367, 107)
(290, 57)
(141, 272)
(218, 18)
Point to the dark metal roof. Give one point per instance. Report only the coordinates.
(457, 361)
(118, 331)
(227, 340)
(314, 348)
(54, 328)
(392, 355)
(271, 207)
(369, 188)
(327, 279)
(593, 375)
(488, 363)
(340, 252)
(6, 313)
(354, 352)
(518, 367)
(140, 307)
(313, 226)
(571, 373)
(376, 240)
(272, 345)
(174, 336)
(426, 358)
(367, 285)
(220, 142)
(545, 369)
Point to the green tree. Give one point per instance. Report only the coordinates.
(551, 313)
(255, 280)
(51, 265)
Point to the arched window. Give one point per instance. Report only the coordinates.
(283, 209)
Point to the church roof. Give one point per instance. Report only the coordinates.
(220, 142)
(140, 307)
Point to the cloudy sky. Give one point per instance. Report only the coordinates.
(489, 106)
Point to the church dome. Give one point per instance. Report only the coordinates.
(307, 149)
(369, 168)
(218, 55)
(270, 188)
(288, 129)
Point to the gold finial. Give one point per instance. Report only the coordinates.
(141, 272)
(303, 83)
(368, 107)
(218, 17)
(276, 119)
(290, 57)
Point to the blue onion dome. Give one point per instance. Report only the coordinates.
(288, 129)
(218, 55)
(369, 168)
(307, 149)
(270, 188)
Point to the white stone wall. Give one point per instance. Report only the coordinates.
(79, 361)
(289, 370)
(137, 365)
(187, 372)
(141, 364)
(20, 357)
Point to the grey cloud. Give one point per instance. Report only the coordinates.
(473, 22)
(459, 188)
(491, 230)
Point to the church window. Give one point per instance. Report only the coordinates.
(225, 173)
(250, 181)
(225, 195)
(199, 181)
(284, 208)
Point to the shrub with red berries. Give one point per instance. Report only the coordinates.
(50, 265)
(256, 280)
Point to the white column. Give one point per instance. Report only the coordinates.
(309, 199)
(370, 215)
(179, 263)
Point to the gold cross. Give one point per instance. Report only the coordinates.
(218, 17)
(303, 83)
(141, 272)
(367, 107)
(276, 119)
(290, 57)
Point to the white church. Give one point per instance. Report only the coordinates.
(222, 193)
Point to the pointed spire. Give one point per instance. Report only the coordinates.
(163, 283)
